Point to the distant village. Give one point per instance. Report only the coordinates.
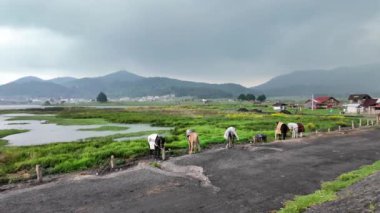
(60, 101)
(356, 104)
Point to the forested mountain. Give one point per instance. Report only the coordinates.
(116, 85)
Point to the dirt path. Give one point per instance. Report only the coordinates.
(246, 178)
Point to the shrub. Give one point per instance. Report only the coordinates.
(311, 126)
(341, 123)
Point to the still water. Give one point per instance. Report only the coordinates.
(40, 133)
(25, 106)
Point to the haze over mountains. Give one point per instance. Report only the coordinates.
(336, 82)
(116, 85)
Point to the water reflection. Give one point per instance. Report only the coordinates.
(43, 133)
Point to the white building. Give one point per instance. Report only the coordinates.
(279, 106)
(352, 108)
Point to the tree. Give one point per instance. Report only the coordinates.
(250, 97)
(262, 98)
(242, 97)
(102, 98)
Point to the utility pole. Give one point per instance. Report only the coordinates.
(312, 102)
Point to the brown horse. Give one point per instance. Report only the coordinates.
(194, 144)
(301, 129)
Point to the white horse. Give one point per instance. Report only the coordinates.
(293, 127)
(230, 135)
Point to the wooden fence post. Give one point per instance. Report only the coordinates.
(328, 130)
(39, 173)
(372, 123)
(353, 125)
(339, 128)
(360, 122)
(112, 162)
(367, 122)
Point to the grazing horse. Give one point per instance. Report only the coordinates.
(281, 130)
(230, 135)
(259, 138)
(293, 127)
(156, 144)
(193, 140)
(301, 129)
(297, 129)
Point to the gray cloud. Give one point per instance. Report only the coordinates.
(217, 41)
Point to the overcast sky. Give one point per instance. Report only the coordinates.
(244, 41)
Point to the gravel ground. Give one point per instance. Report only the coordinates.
(361, 197)
(247, 178)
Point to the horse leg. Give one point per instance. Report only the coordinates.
(190, 147)
(163, 154)
(151, 153)
(156, 153)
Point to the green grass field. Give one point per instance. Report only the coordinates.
(210, 121)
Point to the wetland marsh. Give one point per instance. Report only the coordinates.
(92, 151)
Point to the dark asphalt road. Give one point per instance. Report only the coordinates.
(249, 178)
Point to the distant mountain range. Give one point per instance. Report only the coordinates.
(116, 85)
(338, 82)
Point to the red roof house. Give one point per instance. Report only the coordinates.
(369, 103)
(322, 102)
(370, 106)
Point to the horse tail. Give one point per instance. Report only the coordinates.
(198, 143)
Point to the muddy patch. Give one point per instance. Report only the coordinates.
(191, 171)
(162, 188)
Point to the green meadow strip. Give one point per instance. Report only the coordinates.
(328, 191)
(7, 132)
